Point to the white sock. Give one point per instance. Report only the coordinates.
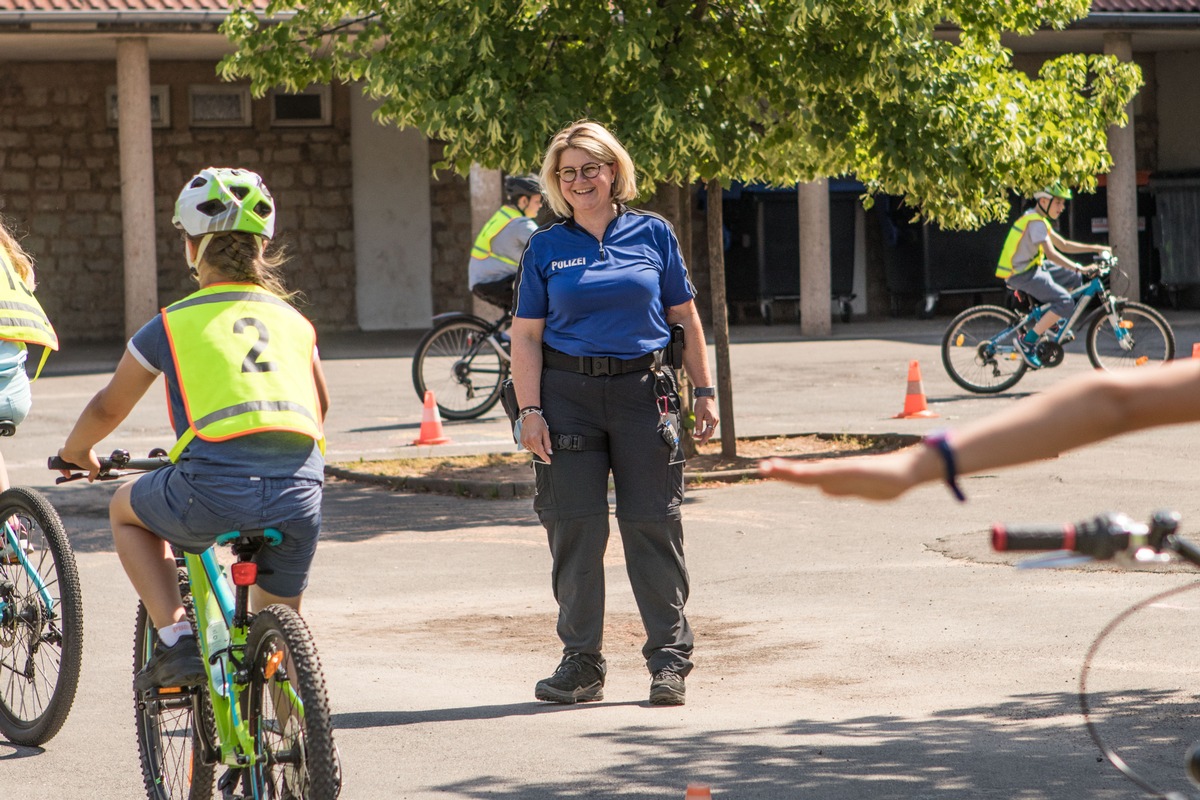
(172, 633)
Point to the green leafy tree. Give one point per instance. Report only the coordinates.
(913, 97)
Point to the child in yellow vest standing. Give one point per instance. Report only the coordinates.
(247, 400)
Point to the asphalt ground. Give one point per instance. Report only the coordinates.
(844, 649)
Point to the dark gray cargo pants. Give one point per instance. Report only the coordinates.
(572, 503)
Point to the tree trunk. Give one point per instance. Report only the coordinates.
(720, 312)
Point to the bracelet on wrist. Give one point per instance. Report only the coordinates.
(938, 442)
(704, 391)
(528, 410)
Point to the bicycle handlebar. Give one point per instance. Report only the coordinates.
(1103, 537)
(114, 466)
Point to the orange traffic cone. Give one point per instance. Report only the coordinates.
(1196, 350)
(698, 791)
(914, 400)
(431, 423)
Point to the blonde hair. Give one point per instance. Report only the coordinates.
(243, 257)
(12, 252)
(595, 140)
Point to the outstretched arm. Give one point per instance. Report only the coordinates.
(1086, 409)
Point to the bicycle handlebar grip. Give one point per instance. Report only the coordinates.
(1047, 536)
(54, 462)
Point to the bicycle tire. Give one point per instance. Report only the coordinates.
(969, 358)
(169, 745)
(463, 389)
(296, 754)
(35, 641)
(1153, 341)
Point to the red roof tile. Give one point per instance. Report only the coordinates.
(116, 6)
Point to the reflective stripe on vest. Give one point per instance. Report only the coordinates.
(483, 242)
(1005, 268)
(244, 358)
(21, 316)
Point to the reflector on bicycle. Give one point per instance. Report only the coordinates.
(272, 664)
(244, 573)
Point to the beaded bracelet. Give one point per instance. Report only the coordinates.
(938, 441)
(527, 410)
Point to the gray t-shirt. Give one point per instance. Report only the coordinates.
(1036, 233)
(509, 242)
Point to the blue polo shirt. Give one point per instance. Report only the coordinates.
(607, 297)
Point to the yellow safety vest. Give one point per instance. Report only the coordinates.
(1005, 267)
(483, 242)
(21, 316)
(244, 358)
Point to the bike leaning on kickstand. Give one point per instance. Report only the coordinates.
(263, 710)
(980, 355)
(463, 359)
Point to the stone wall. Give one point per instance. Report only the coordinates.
(450, 208)
(60, 189)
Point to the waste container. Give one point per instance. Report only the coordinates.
(1088, 222)
(762, 256)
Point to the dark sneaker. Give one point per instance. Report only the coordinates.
(1028, 352)
(578, 679)
(181, 665)
(666, 688)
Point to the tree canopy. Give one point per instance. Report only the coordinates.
(913, 97)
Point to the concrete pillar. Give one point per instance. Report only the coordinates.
(1122, 182)
(487, 194)
(815, 272)
(137, 182)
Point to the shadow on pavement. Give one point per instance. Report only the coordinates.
(968, 752)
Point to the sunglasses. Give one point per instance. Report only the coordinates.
(589, 171)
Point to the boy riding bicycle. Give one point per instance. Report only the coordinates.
(1031, 243)
(247, 399)
(501, 241)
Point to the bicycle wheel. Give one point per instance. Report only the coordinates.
(289, 711)
(1142, 337)
(41, 622)
(973, 360)
(169, 745)
(461, 367)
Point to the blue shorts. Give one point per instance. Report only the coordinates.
(191, 511)
(15, 400)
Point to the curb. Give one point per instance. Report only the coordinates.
(513, 489)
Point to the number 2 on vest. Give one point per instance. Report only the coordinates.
(251, 362)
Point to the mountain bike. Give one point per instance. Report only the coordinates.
(1110, 537)
(979, 353)
(463, 359)
(41, 618)
(263, 713)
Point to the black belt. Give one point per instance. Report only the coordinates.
(579, 442)
(595, 366)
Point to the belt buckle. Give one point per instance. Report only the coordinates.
(570, 441)
(601, 367)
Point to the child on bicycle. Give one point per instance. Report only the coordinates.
(247, 399)
(501, 241)
(1031, 243)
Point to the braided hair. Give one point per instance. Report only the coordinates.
(243, 258)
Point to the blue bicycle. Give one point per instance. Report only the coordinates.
(41, 619)
(980, 356)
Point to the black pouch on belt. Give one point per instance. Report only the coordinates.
(675, 348)
(508, 399)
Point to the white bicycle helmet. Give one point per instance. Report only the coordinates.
(223, 200)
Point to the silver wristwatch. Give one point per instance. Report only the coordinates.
(705, 391)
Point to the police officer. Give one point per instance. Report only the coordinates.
(500, 242)
(598, 292)
(247, 400)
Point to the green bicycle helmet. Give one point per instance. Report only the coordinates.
(223, 200)
(1053, 190)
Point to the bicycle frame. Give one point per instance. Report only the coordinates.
(1083, 297)
(216, 602)
(14, 543)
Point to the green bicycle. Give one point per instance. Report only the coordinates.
(263, 713)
